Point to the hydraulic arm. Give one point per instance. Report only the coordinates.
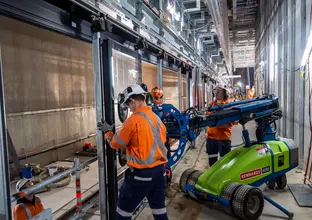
(185, 126)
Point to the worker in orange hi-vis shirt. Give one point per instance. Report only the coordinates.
(157, 94)
(143, 135)
(219, 138)
(252, 93)
(28, 206)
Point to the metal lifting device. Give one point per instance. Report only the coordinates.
(275, 156)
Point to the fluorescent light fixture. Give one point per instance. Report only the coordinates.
(307, 51)
(232, 76)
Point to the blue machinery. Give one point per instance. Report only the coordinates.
(185, 126)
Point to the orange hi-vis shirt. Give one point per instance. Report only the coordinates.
(220, 133)
(143, 135)
(25, 209)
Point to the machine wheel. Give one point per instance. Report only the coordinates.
(193, 177)
(184, 178)
(281, 181)
(248, 202)
(271, 184)
(228, 194)
(122, 157)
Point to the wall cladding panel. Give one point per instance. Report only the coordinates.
(149, 75)
(43, 72)
(170, 87)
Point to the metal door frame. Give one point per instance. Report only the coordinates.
(105, 110)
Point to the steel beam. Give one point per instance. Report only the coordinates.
(112, 187)
(159, 72)
(180, 89)
(99, 105)
(5, 207)
(188, 73)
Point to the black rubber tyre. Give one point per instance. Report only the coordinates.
(122, 157)
(228, 194)
(271, 184)
(122, 113)
(281, 181)
(192, 180)
(184, 178)
(248, 202)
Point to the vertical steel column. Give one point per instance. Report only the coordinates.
(203, 91)
(196, 88)
(284, 68)
(248, 77)
(112, 187)
(300, 39)
(290, 70)
(139, 69)
(159, 72)
(5, 207)
(188, 72)
(99, 104)
(180, 89)
(279, 58)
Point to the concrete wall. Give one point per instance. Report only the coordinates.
(49, 92)
(282, 33)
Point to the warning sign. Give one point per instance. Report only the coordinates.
(251, 174)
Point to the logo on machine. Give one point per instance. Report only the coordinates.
(250, 174)
(265, 169)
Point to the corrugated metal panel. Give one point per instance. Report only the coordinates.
(283, 45)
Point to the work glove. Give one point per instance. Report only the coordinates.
(104, 126)
(109, 135)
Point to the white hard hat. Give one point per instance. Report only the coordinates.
(222, 86)
(124, 96)
(21, 183)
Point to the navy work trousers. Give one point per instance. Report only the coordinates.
(213, 147)
(140, 183)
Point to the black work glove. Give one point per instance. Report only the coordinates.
(104, 126)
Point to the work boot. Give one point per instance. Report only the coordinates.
(169, 192)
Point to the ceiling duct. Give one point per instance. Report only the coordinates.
(197, 8)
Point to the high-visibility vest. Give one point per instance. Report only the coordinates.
(219, 132)
(33, 212)
(143, 135)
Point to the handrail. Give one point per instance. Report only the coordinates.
(52, 179)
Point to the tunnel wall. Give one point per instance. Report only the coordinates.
(281, 36)
(49, 90)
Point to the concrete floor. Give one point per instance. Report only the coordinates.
(181, 207)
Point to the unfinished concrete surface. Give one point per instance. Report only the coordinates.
(181, 207)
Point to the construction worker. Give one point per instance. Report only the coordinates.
(143, 135)
(219, 138)
(252, 93)
(28, 206)
(157, 94)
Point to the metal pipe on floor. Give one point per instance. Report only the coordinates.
(50, 180)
